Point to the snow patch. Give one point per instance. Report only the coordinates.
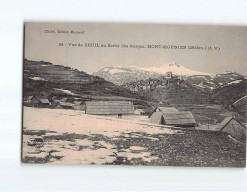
(240, 99)
(79, 122)
(65, 91)
(234, 82)
(175, 69)
(37, 78)
(114, 71)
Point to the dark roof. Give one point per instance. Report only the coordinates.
(109, 107)
(224, 123)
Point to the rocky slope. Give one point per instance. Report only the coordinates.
(48, 79)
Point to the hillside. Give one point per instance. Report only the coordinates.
(175, 93)
(48, 79)
(232, 95)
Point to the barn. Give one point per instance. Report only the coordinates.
(171, 116)
(232, 127)
(118, 108)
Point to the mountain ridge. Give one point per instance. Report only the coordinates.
(122, 74)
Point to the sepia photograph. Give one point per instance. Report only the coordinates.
(134, 94)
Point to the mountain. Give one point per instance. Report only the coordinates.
(121, 74)
(241, 105)
(124, 74)
(232, 94)
(47, 79)
(176, 69)
(169, 91)
(211, 82)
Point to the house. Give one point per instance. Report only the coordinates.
(168, 75)
(42, 102)
(118, 108)
(171, 116)
(79, 105)
(29, 98)
(139, 112)
(232, 127)
(54, 103)
(64, 105)
(32, 100)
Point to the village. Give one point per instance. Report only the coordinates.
(154, 83)
(161, 115)
(67, 126)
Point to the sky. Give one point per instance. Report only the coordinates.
(42, 44)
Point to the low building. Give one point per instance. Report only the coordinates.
(43, 102)
(54, 103)
(139, 112)
(232, 127)
(32, 100)
(171, 116)
(118, 108)
(64, 105)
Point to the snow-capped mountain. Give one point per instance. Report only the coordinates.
(206, 81)
(176, 69)
(125, 74)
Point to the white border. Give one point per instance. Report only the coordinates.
(15, 176)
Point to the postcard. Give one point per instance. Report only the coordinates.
(134, 94)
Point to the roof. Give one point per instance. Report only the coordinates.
(165, 110)
(64, 99)
(175, 118)
(179, 118)
(77, 103)
(224, 123)
(109, 107)
(44, 101)
(156, 117)
(30, 97)
(140, 110)
(65, 104)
